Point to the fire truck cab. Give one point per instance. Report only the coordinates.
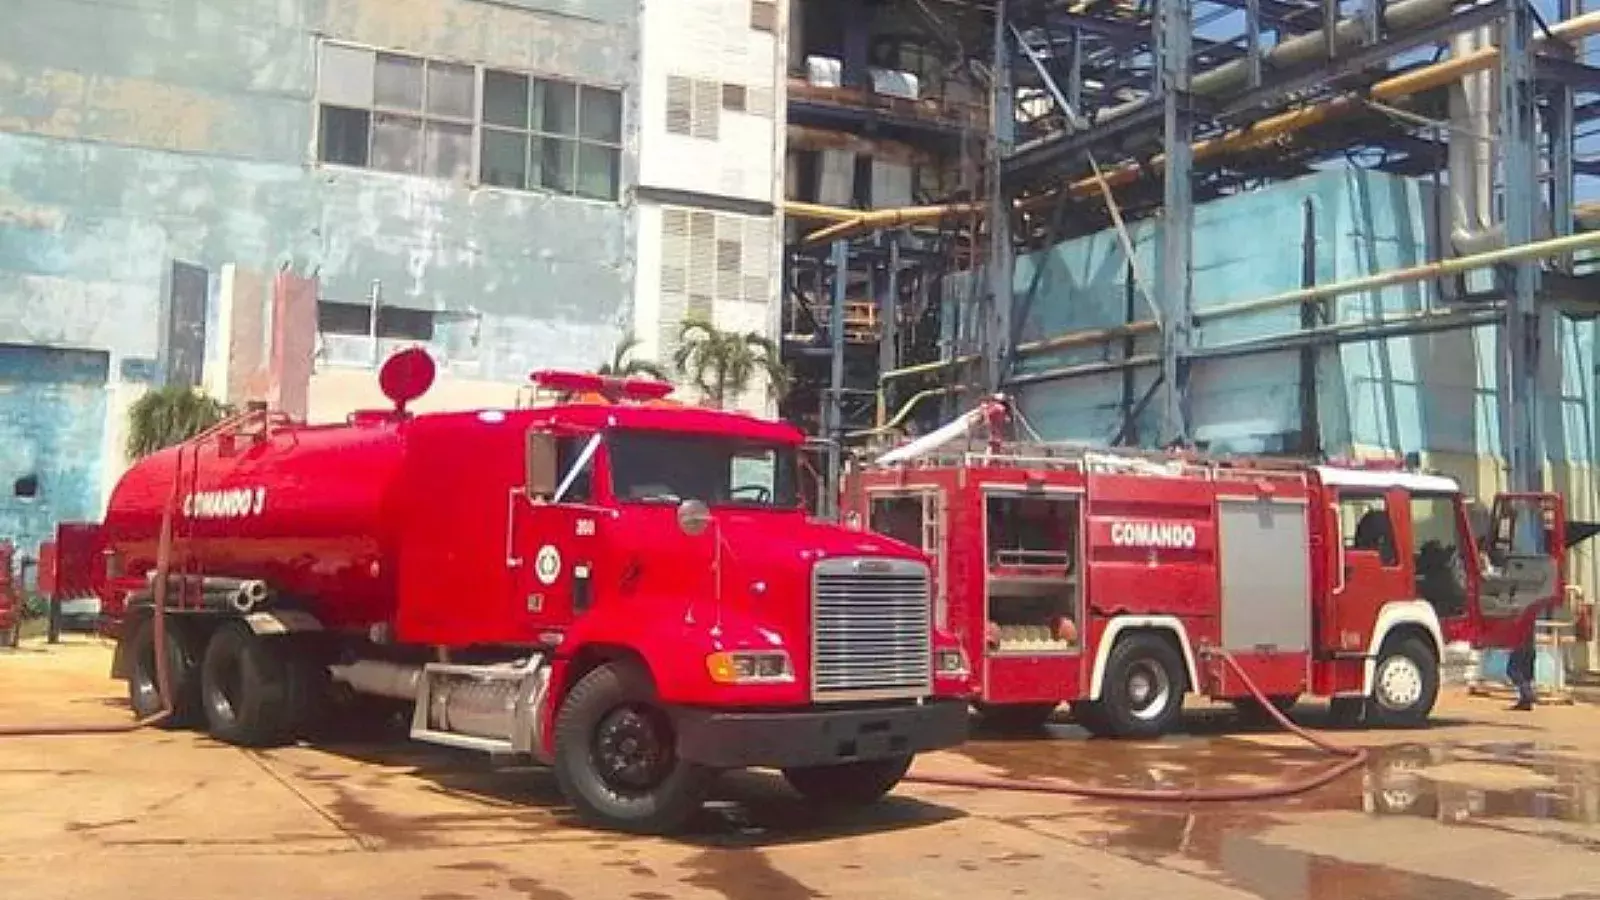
(1111, 580)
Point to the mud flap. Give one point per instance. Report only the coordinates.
(120, 664)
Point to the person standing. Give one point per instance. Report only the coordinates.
(1520, 669)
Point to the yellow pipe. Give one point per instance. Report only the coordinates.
(816, 212)
(1262, 132)
(1535, 250)
(899, 417)
(1086, 338)
(890, 218)
(1454, 266)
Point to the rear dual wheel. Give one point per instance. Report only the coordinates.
(254, 691)
(144, 683)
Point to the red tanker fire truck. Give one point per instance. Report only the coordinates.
(624, 589)
(1109, 579)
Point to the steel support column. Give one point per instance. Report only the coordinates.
(832, 413)
(889, 310)
(1174, 282)
(996, 338)
(1519, 395)
(1561, 126)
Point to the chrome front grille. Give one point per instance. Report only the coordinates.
(870, 629)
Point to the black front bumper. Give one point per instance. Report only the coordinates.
(816, 737)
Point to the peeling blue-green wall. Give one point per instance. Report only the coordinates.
(1434, 393)
(138, 132)
(52, 423)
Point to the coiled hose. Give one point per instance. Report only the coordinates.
(1352, 758)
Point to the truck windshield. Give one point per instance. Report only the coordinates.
(653, 467)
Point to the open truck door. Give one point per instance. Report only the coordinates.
(1523, 563)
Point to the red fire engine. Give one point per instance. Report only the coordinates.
(1106, 578)
(628, 591)
(10, 598)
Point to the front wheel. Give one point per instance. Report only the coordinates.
(848, 784)
(1405, 684)
(616, 755)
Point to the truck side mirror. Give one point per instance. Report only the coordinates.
(541, 474)
(694, 517)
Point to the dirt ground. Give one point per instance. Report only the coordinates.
(1487, 804)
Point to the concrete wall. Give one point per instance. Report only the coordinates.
(710, 224)
(1436, 395)
(133, 135)
(52, 417)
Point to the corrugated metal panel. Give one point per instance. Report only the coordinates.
(838, 173)
(891, 184)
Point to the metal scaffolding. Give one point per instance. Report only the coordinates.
(1106, 112)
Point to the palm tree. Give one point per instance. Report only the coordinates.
(721, 363)
(624, 365)
(170, 415)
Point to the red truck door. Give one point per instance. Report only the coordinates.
(1522, 566)
(1368, 569)
(552, 538)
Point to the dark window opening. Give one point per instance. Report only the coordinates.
(807, 175)
(394, 322)
(26, 487)
(345, 134)
(1441, 574)
(897, 517)
(1365, 524)
(861, 187)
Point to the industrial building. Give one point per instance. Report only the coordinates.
(1314, 229)
(218, 192)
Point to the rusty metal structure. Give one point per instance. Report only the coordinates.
(1049, 119)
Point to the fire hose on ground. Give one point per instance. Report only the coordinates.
(1353, 758)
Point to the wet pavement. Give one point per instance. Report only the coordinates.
(1487, 804)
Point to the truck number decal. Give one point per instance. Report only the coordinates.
(547, 565)
(585, 528)
(1175, 535)
(234, 503)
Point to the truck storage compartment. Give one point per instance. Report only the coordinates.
(1031, 583)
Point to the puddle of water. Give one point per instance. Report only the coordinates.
(1522, 787)
(1463, 784)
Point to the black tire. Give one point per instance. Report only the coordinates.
(848, 784)
(253, 690)
(1015, 718)
(144, 691)
(1405, 684)
(1144, 685)
(616, 755)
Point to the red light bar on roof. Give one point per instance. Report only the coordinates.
(636, 389)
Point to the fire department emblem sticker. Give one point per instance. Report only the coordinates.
(547, 565)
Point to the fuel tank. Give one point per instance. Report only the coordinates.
(309, 509)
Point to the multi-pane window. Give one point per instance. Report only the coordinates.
(556, 135)
(418, 116)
